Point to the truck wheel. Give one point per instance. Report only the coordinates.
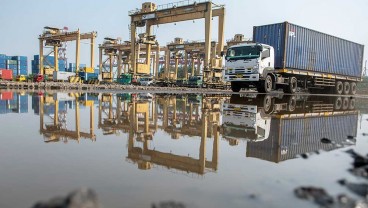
(267, 104)
(292, 86)
(235, 87)
(345, 103)
(339, 88)
(352, 104)
(346, 90)
(266, 85)
(292, 103)
(353, 88)
(338, 103)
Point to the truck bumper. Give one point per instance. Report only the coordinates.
(242, 77)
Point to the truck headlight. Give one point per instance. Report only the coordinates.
(256, 68)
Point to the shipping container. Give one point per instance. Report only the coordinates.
(62, 76)
(301, 48)
(6, 74)
(291, 137)
(88, 76)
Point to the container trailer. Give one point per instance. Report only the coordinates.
(287, 56)
(61, 76)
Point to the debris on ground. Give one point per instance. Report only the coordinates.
(82, 198)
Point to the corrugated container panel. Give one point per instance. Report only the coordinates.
(273, 35)
(23, 103)
(11, 62)
(36, 104)
(292, 137)
(301, 48)
(3, 107)
(23, 72)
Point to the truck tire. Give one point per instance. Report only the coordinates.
(292, 104)
(235, 87)
(338, 103)
(345, 103)
(346, 90)
(266, 85)
(292, 86)
(352, 104)
(353, 88)
(339, 88)
(267, 104)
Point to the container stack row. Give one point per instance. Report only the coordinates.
(48, 62)
(17, 64)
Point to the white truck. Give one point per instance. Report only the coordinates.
(287, 56)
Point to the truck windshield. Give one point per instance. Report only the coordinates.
(245, 52)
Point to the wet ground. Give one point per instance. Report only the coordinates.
(191, 150)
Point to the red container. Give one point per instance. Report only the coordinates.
(6, 96)
(6, 74)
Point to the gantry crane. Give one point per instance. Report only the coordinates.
(55, 132)
(54, 37)
(151, 15)
(120, 53)
(193, 50)
(238, 39)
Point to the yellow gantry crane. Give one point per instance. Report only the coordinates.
(238, 39)
(193, 51)
(54, 37)
(119, 55)
(151, 15)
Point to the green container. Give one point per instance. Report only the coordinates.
(125, 79)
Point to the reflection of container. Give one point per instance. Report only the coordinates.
(6, 96)
(290, 137)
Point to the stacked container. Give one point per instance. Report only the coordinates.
(48, 61)
(21, 63)
(2, 61)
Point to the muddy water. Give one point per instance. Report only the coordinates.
(136, 150)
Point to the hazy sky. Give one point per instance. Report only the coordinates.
(22, 21)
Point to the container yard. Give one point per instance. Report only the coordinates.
(183, 104)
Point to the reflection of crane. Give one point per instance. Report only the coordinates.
(56, 132)
(115, 116)
(178, 118)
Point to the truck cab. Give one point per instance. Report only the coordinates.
(247, 65)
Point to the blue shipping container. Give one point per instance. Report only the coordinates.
(301, 48)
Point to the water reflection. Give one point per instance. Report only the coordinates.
(55, 107)
(11, 102)
(273, 128)
(283, 127)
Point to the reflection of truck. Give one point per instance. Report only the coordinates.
(281, 128)
(291, 56)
